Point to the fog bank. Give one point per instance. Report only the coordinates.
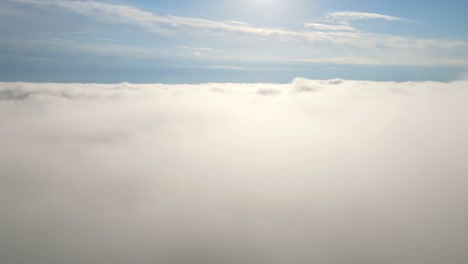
(328, 172)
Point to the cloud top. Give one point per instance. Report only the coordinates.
(315, 171)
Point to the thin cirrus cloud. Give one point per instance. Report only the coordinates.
(323, 172)
(343, 20)
(330, 27)
(132, 15)
(334, 39)
(350, 16)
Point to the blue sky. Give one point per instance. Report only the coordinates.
(231, 41)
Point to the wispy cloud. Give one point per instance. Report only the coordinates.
(336, 36)
(349, 16)
(200, 51)
(162, 24)
(236, 22)
(330, 27)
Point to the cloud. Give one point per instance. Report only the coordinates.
(156, 23)
(200, 51)
(305, 85)
(268, 91)
(334, 40)
(324, 171)
(329, 27)
(350, 16)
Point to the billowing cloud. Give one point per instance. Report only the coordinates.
(331, 171)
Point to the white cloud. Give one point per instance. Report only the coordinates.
(330, 171)
(128, 14)
(236, 22)
(349, 16)
(325, 42)
(330, 27)
(156, 23)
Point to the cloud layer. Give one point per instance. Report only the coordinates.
(309, 172)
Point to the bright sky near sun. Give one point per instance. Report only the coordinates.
(236, 41)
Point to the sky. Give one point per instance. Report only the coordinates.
(233, 132)
(232, 41)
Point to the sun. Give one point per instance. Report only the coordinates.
(266, 5)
